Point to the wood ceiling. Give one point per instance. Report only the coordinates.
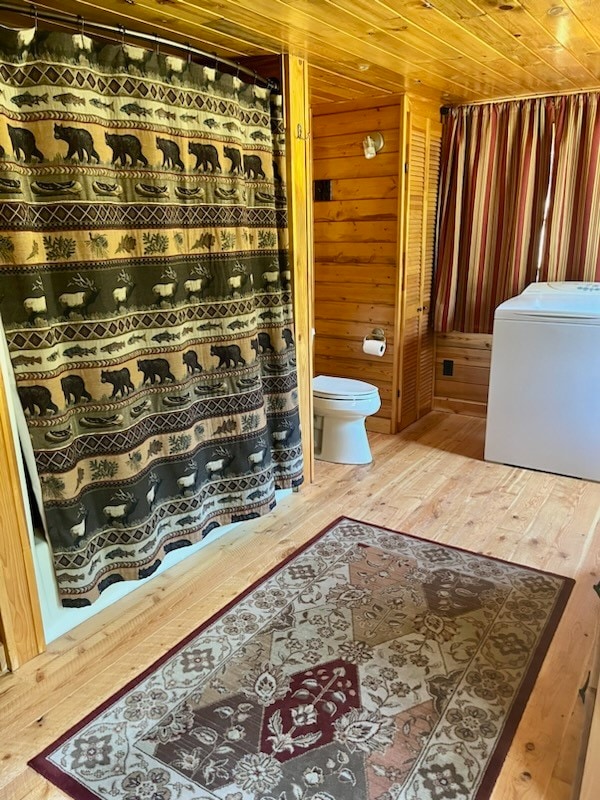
(454, 51)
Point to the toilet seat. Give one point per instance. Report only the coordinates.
(331, 388)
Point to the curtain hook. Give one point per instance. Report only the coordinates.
(255, 77)
(81, 22)
(189, 53)
(122, 35)
(35, 18)
(216, 58)
(157, 48)
(237, 70)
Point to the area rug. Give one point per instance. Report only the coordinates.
(370, 665)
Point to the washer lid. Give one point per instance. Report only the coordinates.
(328, 386)
(565, 300)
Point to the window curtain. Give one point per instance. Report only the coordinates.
(493, 185)
(572, 243)
(145, 298)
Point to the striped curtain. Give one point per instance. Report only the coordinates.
(493, 186)
(572, 243)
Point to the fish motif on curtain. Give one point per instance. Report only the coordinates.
(145, 293)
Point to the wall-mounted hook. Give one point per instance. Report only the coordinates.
(300, 133)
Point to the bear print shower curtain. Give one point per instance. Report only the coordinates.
(145, 298)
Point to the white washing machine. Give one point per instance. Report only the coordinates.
(544, 397)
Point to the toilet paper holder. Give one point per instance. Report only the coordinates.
(378, 334)
(374, 344)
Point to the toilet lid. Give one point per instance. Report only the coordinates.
(328, 386)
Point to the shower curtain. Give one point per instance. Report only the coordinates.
(145, 297)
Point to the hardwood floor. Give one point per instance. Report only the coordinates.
(430, 481)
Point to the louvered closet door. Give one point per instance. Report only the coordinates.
(417, 337)
(426, 337)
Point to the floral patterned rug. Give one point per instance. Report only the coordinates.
(372, 665)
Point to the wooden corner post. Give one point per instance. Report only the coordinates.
(21, 628)
(299, 183)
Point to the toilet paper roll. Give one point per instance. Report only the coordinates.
(373, 347)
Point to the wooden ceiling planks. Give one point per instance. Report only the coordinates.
(530, 33)
(452, 51)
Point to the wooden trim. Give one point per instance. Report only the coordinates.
(425, 107)
(589, 766)
(379, 424)
(591, 769)
(20, 616)
(299, 183)
(468, 407)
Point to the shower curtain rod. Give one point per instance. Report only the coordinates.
(81, 23)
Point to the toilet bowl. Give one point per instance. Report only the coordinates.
(341, 406)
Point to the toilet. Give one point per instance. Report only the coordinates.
(341, 406)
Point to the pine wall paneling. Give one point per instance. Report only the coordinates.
(374, 244)
(466, 390)
(356, 244)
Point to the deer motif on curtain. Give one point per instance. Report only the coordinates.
(145, 297)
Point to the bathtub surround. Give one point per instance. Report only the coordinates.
(146, 298)
(369, 663)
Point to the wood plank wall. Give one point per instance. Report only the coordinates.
(466, 390)
(356, 243)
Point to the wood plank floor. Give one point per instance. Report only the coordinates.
(429, 481)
